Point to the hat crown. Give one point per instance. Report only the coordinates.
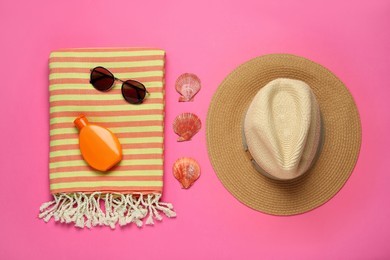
(282, 128)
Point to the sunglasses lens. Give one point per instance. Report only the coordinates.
(101, 79)
(133, 91)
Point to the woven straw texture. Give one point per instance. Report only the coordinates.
(342, 136)
(283, 128)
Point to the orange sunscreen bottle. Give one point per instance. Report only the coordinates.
(99, 146)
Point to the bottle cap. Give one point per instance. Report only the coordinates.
(80, 122)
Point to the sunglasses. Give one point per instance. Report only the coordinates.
(132, 91)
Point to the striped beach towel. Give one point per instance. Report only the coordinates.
(130, 191)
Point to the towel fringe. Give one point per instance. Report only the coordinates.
(85, 210)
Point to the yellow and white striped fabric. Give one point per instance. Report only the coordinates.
(140, 128)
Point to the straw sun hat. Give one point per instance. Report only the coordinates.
(283, 134)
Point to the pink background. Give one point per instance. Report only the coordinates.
(209, 38)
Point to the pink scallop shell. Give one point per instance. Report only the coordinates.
(186, 125)
(186, 170)
(188, 85)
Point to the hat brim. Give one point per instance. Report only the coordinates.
(340, 150)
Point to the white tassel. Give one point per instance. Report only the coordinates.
(84, 210)
(146, 202)
(92, 208)
(121, 209)
(129, 215)
(47, 212)
(110, 216)
(79, 216)
(67, 210)
(87, 211)
(69, 213)
(60, 210)
(135, 212)
(46, 205)
(167, 208)
(101, 216)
